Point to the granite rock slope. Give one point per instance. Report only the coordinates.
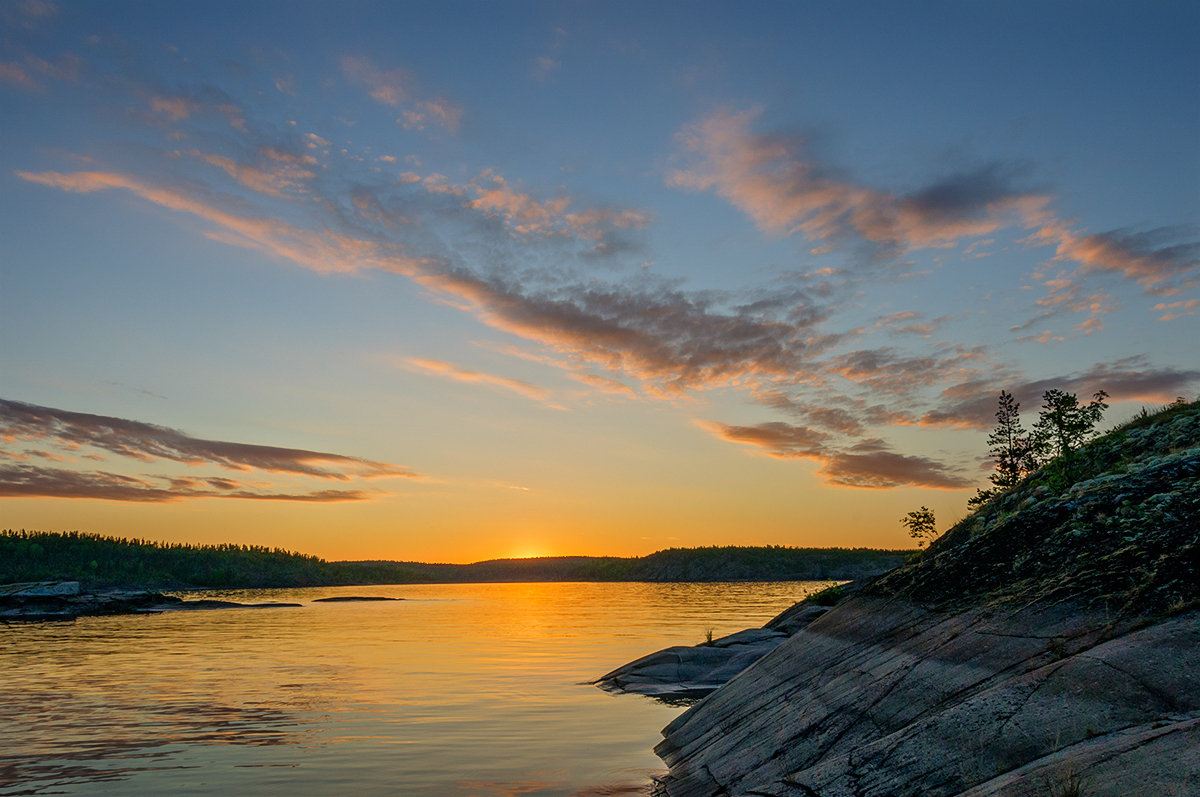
(1048, 644)
(882, 697)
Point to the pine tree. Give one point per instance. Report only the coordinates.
(1063, 426)
(1010, 445)
(1012, 449)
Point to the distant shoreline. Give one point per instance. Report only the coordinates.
(100, 562)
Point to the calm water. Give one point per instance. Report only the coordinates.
(463, 689)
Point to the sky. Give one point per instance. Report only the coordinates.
(453, 281)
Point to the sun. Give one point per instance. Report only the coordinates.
(528, 550)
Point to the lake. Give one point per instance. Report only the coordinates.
(460, 689)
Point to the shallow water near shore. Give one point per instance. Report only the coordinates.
(460, 689)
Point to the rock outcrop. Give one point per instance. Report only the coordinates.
(687, 672)
(882, 697)
(1048, 644)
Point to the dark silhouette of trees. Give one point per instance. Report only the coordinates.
(921, 526)
(1062, 428)
(1010, 444)
(1011, 447)
(1064, 425)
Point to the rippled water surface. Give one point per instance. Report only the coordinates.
(460, 689)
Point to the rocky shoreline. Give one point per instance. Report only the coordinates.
(1049, 644)
(64, 601)
(684, 674)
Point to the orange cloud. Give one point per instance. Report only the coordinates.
(284, 175)
(1175, 310)
(766, 178)
(1142, 258)
(665, 338)
(395, 88)
(325, 252)
(440, 111)
(176, 108)
(605, 384)
(390, 88)
(763, 177)
(451, 371)
(525, 215)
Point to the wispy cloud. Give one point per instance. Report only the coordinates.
(516, 257)
(867, 464)
(544, 66)
(771, 180)
(972, 404)
(32, 481)
(32, 73)
(605, 384)
(397, 88)
(147, 442)
(885, 369)
(844, 415)
(28, 14)
(323, 251)
(14, 74)
(439, 113)
(451, 371)
(1153, 259)
(524, 214)
(1172, 310)
(670, 339)
(277, 175)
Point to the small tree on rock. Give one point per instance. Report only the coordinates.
(921, 526)
(1064, 425)
(1010, 444)
(1011, 447)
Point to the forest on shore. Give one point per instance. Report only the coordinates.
(99, 562)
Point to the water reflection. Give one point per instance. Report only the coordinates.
(90, 744)
(459, 689)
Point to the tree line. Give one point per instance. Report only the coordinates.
(99, 561)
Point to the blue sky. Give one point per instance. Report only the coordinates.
(460, 280)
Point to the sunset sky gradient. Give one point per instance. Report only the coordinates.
(459, 280)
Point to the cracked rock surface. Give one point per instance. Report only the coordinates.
(1049, 644)
(882, 697)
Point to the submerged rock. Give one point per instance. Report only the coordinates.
(209, 603)
(354, 598)
(49, 601)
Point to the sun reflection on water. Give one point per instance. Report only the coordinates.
(467, 689)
